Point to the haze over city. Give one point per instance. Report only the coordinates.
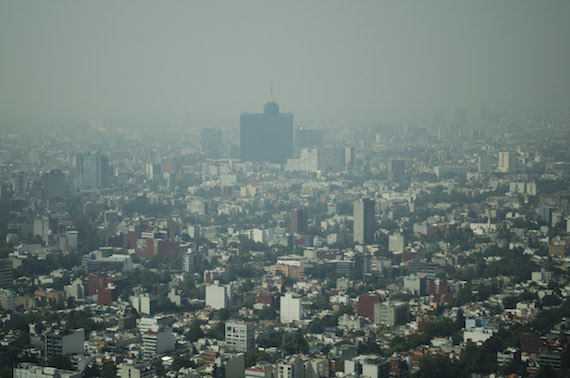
(285, 189)
(328, 60)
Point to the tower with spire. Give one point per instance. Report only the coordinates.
(266, 136)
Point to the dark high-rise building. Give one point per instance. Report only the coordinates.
(308, 138)
(54, 185)
(364, 221)
(20, 184)
(6, 274)
(211, 143)
(267, 136)
(299, 221)
(397, 169)
(92, 171)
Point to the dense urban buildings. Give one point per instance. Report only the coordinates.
(354, 255)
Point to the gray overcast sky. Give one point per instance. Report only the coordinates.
(328, 60)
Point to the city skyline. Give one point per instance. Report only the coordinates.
(328, 62)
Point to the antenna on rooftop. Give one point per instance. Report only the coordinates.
(271, 93)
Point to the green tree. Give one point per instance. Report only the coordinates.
(438, 366)
(109, 371)
(195, 332)
(60, 362)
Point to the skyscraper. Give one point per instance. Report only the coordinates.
(364, 222)
(267, 136)
(20, 184)
(397, 169)
(308, 138)
(299, 221)
(291, 309)
(211, 143)
(92, 171)
(54, 185)
(6, 274)
(506, 162)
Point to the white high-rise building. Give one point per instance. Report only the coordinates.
(188, 261)
(216, 297)
(240, 336)
(506, 162)
(291, 309)
(142, 303)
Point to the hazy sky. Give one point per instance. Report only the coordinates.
(327, 60)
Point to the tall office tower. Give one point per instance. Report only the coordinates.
(364, 222)
(483, 163)
(349, 157)
(20, 184)
(267, 136)
(92, 171)
(506, 162)
(331, 159)
(291, 309)
(54, 185)
(484, 113)
(240, 336)
(397, 169)
(6, 274)
(308, 138)
(299, 221)
(545, 213)
(211, 143)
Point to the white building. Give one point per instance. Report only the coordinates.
(62, 343)
(155, 323)
(396, 243)
(506, 162)
(416, 284)
(158, 342)
(367, 366)
(135, 369)
(292, 367)
(542, 277)
(262, 236)
(240, 336)
(318, 159)
(40, 227)
(142, 303)
(7, 299)
(75, 290)
(28, 370)
(477, 335)
(216, 296)
(291, 309)
(391, 313)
